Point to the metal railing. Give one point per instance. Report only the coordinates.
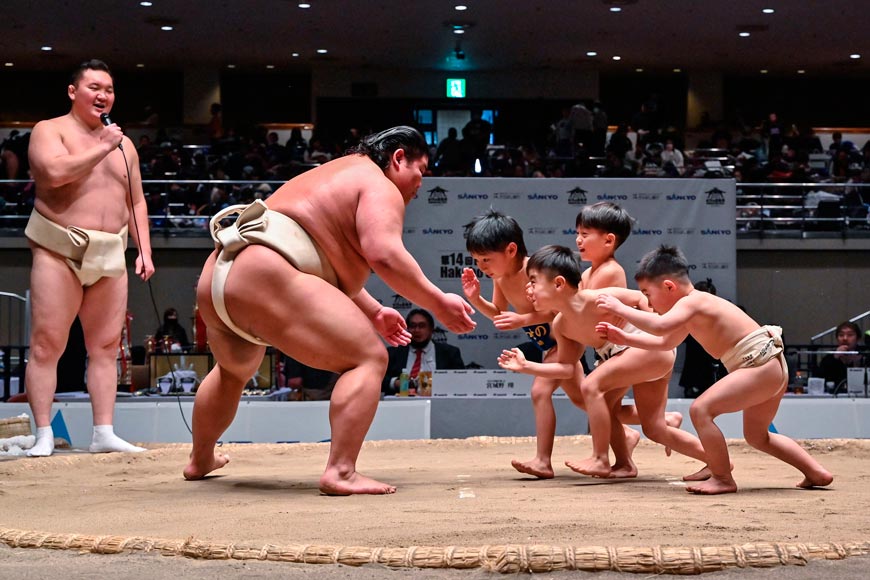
(814, 209)
(803, 209)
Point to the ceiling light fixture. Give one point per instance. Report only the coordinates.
(270, 66)
(768, 10)
(304, 5)
(763, 71)
(678, 70)
(140, 65)
(616, 57)
(855, 56)
(146, 4)
(322, 51)
(460, 7)
(591, 53)
(166, 28)
(295, 55)
(46, 48)
(9, 64)
(615, 9)
(231, 66)
(743, 34)
(638, 70)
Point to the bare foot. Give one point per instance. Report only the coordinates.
(625, 470)
(196, 470)
(632, 438)
(331, 483)
(702, 474)
(714, 486)
(534, 467)
(820, 479)
(591, 466)
(673, 419)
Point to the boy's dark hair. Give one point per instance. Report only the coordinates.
(492, 231)
(93, 64)
(379, 147)
(607, 217)
(667, 261)
(557, 261)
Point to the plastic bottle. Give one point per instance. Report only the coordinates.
(403, 383)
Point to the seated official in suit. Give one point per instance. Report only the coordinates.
(423, 354)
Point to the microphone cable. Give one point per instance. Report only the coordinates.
(175, 382)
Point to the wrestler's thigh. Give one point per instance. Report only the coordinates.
(651, 399)
(55, 296)
(742, 389)
(300, 314)
(103, 312)
(632, 366)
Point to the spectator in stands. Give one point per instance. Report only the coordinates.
(836, 142)
(773, 132)
(216, 123)
(636, 158)
(673, 164)
(275, 153)
(614, 166)
(350, 140)
(645, 122)
(13, 156)
(296, 146)
(317, 153)
(563, 135)
(172, 329)
(619, 143)
(833, 366)
(582, 121)
(423, 354)
(475, 137)
(448, 156)
(599, 130)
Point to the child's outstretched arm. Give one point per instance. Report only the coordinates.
(643, 340)
(509, 320)
(672, 321)
(564, 367)
(471, 289)
(515, 360)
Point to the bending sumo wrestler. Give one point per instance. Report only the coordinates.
(290, 273)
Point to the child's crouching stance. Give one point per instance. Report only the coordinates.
(752, 354)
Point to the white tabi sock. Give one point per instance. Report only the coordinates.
(105, 441)
(44, 445)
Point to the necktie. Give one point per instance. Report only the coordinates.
(415, 370)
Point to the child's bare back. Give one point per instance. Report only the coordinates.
(717, 324)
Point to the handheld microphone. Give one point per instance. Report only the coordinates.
(105, 120)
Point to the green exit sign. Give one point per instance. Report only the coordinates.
(456, 88)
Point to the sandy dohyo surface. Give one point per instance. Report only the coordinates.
(450, 493)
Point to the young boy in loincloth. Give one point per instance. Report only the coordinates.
(496, 243)
(602, 228)
(554, 278)
(753, 355)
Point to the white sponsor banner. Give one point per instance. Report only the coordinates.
(696, 215)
